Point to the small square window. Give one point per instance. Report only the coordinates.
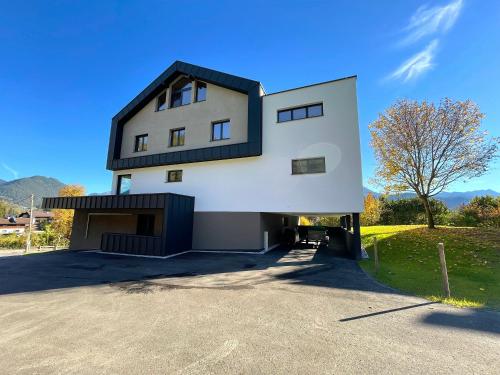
(315, 110)
(201, 91)
(174, 176)
(161, 101)
(177, 137)
(124, 183)
(221, 130)
(284, 116)
(141, 143)
(299, 113)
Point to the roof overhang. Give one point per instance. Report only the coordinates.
(253, 146)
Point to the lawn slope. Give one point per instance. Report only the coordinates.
(409, 261)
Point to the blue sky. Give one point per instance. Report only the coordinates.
(66, 67)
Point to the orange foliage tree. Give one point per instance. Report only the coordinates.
(63, 219)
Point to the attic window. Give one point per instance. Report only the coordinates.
(181, 93)
(201, 91)
(161, 101)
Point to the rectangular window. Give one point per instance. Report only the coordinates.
(124, 182)
(201, 91)
(181, 93)
(174, 176)
(299, 113)
(161, 101)
(306, 166)
(141, 143)
(221, 130)
(177, 137)
(145, 225)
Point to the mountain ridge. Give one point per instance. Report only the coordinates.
(19, 191)
(452, 199)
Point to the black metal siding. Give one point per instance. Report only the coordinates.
(107, 201)
(177, 233)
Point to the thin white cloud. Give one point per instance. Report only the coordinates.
(11, 170)
(417, 64)
(427, 21)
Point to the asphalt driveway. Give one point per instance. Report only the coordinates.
(285, 312)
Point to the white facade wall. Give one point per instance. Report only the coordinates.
(265, 183)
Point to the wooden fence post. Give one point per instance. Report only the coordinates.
(444, 271)
(375, 254)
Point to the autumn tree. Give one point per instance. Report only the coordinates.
(371, 212)
(423, 147)
(63, 219)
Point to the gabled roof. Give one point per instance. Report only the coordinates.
(252, 147)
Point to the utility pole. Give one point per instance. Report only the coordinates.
(28, 242)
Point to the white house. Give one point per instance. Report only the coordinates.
(206, 160)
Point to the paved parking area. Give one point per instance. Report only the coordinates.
(285, 312)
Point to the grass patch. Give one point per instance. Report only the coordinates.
(409, 261)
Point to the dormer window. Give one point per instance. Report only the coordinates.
(161, 101)
(181, 93)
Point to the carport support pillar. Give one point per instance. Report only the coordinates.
(348, 223)
(356, 240)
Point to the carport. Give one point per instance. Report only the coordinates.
(345, 239)
(138, 224)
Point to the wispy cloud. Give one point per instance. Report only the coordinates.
(417, 64)
(11, 170)
(427, 21)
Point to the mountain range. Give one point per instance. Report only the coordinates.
(19, 191)
(451, 199)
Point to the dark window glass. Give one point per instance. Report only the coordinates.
(312, 165)
(299, 113)
(181, 93)
(124, 182)
(201, 91)
(145, 225)
(141, 143)
(315, 110)
(177, 137)
(284, 116)
(161, 101)
(221, 130)
(174, 176)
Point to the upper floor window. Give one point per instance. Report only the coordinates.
(298, 113)
(141, 143)
(181, 93)
(306, 166)
(221, 130)
(201, 91)
(124, 183)
(177, 137)
(161, 101)
(174, 176)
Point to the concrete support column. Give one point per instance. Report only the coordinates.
(356, 243)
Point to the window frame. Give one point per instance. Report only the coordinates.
(119, 183)
(137, 142)
(294, 173)
(181, 91)
(197, 84)
(157, 106)
(306, 107)
(172, 131)
(220, 122)
(175, 172)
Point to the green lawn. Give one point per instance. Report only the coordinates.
(409, 261)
